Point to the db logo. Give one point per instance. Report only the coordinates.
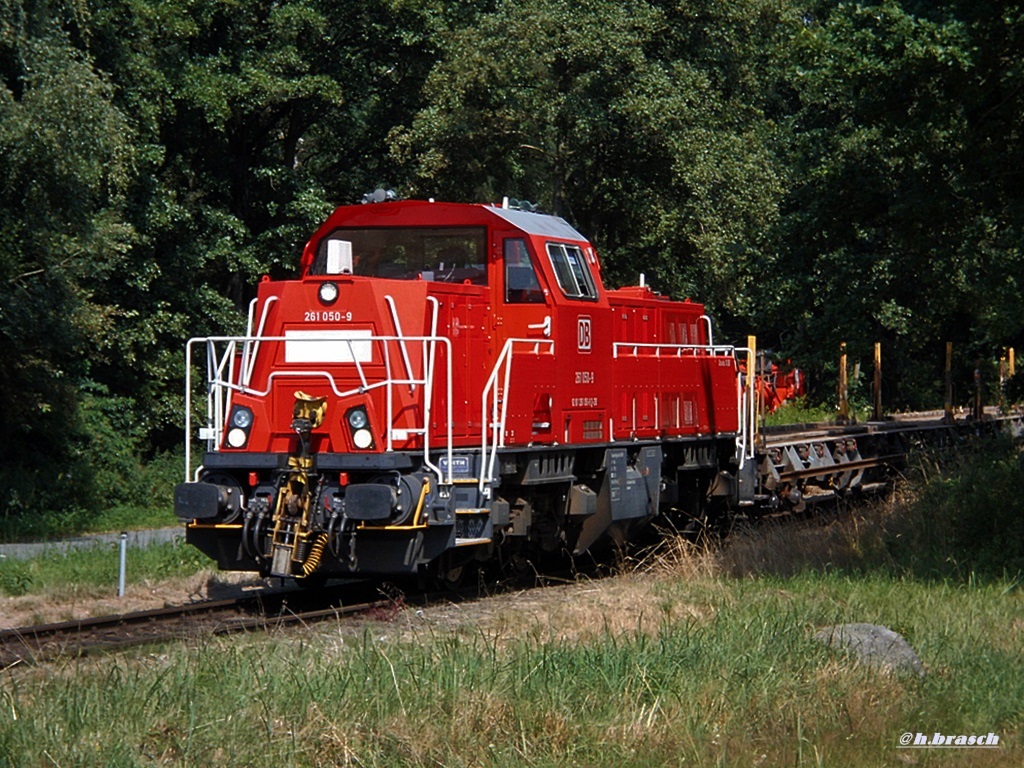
(583, 336)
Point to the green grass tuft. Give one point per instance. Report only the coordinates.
(96, 567)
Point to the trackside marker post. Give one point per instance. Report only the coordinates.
(878, 381)
(843, 389)
(123, 546)
(753, 391)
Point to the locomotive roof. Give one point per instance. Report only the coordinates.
(537, 223)
(427, 213)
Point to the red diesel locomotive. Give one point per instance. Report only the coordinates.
(447, 383)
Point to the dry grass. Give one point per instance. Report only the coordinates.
(850, 543)
(853, 539)
(619, 607)
(73, 601)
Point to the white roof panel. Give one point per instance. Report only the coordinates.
(538, 223)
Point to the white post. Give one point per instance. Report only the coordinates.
(123, 553)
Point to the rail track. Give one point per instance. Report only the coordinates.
(259, 611)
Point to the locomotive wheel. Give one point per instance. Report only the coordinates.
(514, 566)
(453, 577)
(449, 572)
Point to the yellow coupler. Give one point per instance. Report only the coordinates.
(292, 540)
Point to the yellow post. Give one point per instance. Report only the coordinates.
(878, 381)
(753, 392)
(844, 389)
(1011, 367)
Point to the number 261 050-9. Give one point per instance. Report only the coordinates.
(327, 316)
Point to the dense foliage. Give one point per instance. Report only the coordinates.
(815, 172)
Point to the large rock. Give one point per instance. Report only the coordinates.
(873, 645)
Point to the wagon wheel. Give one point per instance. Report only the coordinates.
(695, 528)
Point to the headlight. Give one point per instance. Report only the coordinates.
(239, 424)
(328, 293)
(237, 437)
(359, 427)
(241, 418)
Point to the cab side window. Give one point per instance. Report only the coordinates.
(572, 271)
(521, 283)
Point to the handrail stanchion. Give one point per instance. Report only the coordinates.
(188, 408)
(494, 417)
(843, 388)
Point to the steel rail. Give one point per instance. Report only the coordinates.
(260, 611)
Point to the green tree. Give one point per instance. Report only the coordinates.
(65, 158)
(158, 157)
(871, 243)
(992, 175)
(252, 119)
(641, 122)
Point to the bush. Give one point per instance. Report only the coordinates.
(101, 478)
(968, 518)
(799, 411)
(15, 579)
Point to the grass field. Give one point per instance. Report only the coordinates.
(685, 666)
(695, 659)
(96, 569)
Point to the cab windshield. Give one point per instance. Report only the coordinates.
(441, 254)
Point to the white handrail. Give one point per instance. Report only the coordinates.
(430, 358)
(223, 380)
(723, 350)
(746, 397)
(711, 331)
(544, 327)
(250, 361)
(398, 331)
(496, 416)
(745, 403)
